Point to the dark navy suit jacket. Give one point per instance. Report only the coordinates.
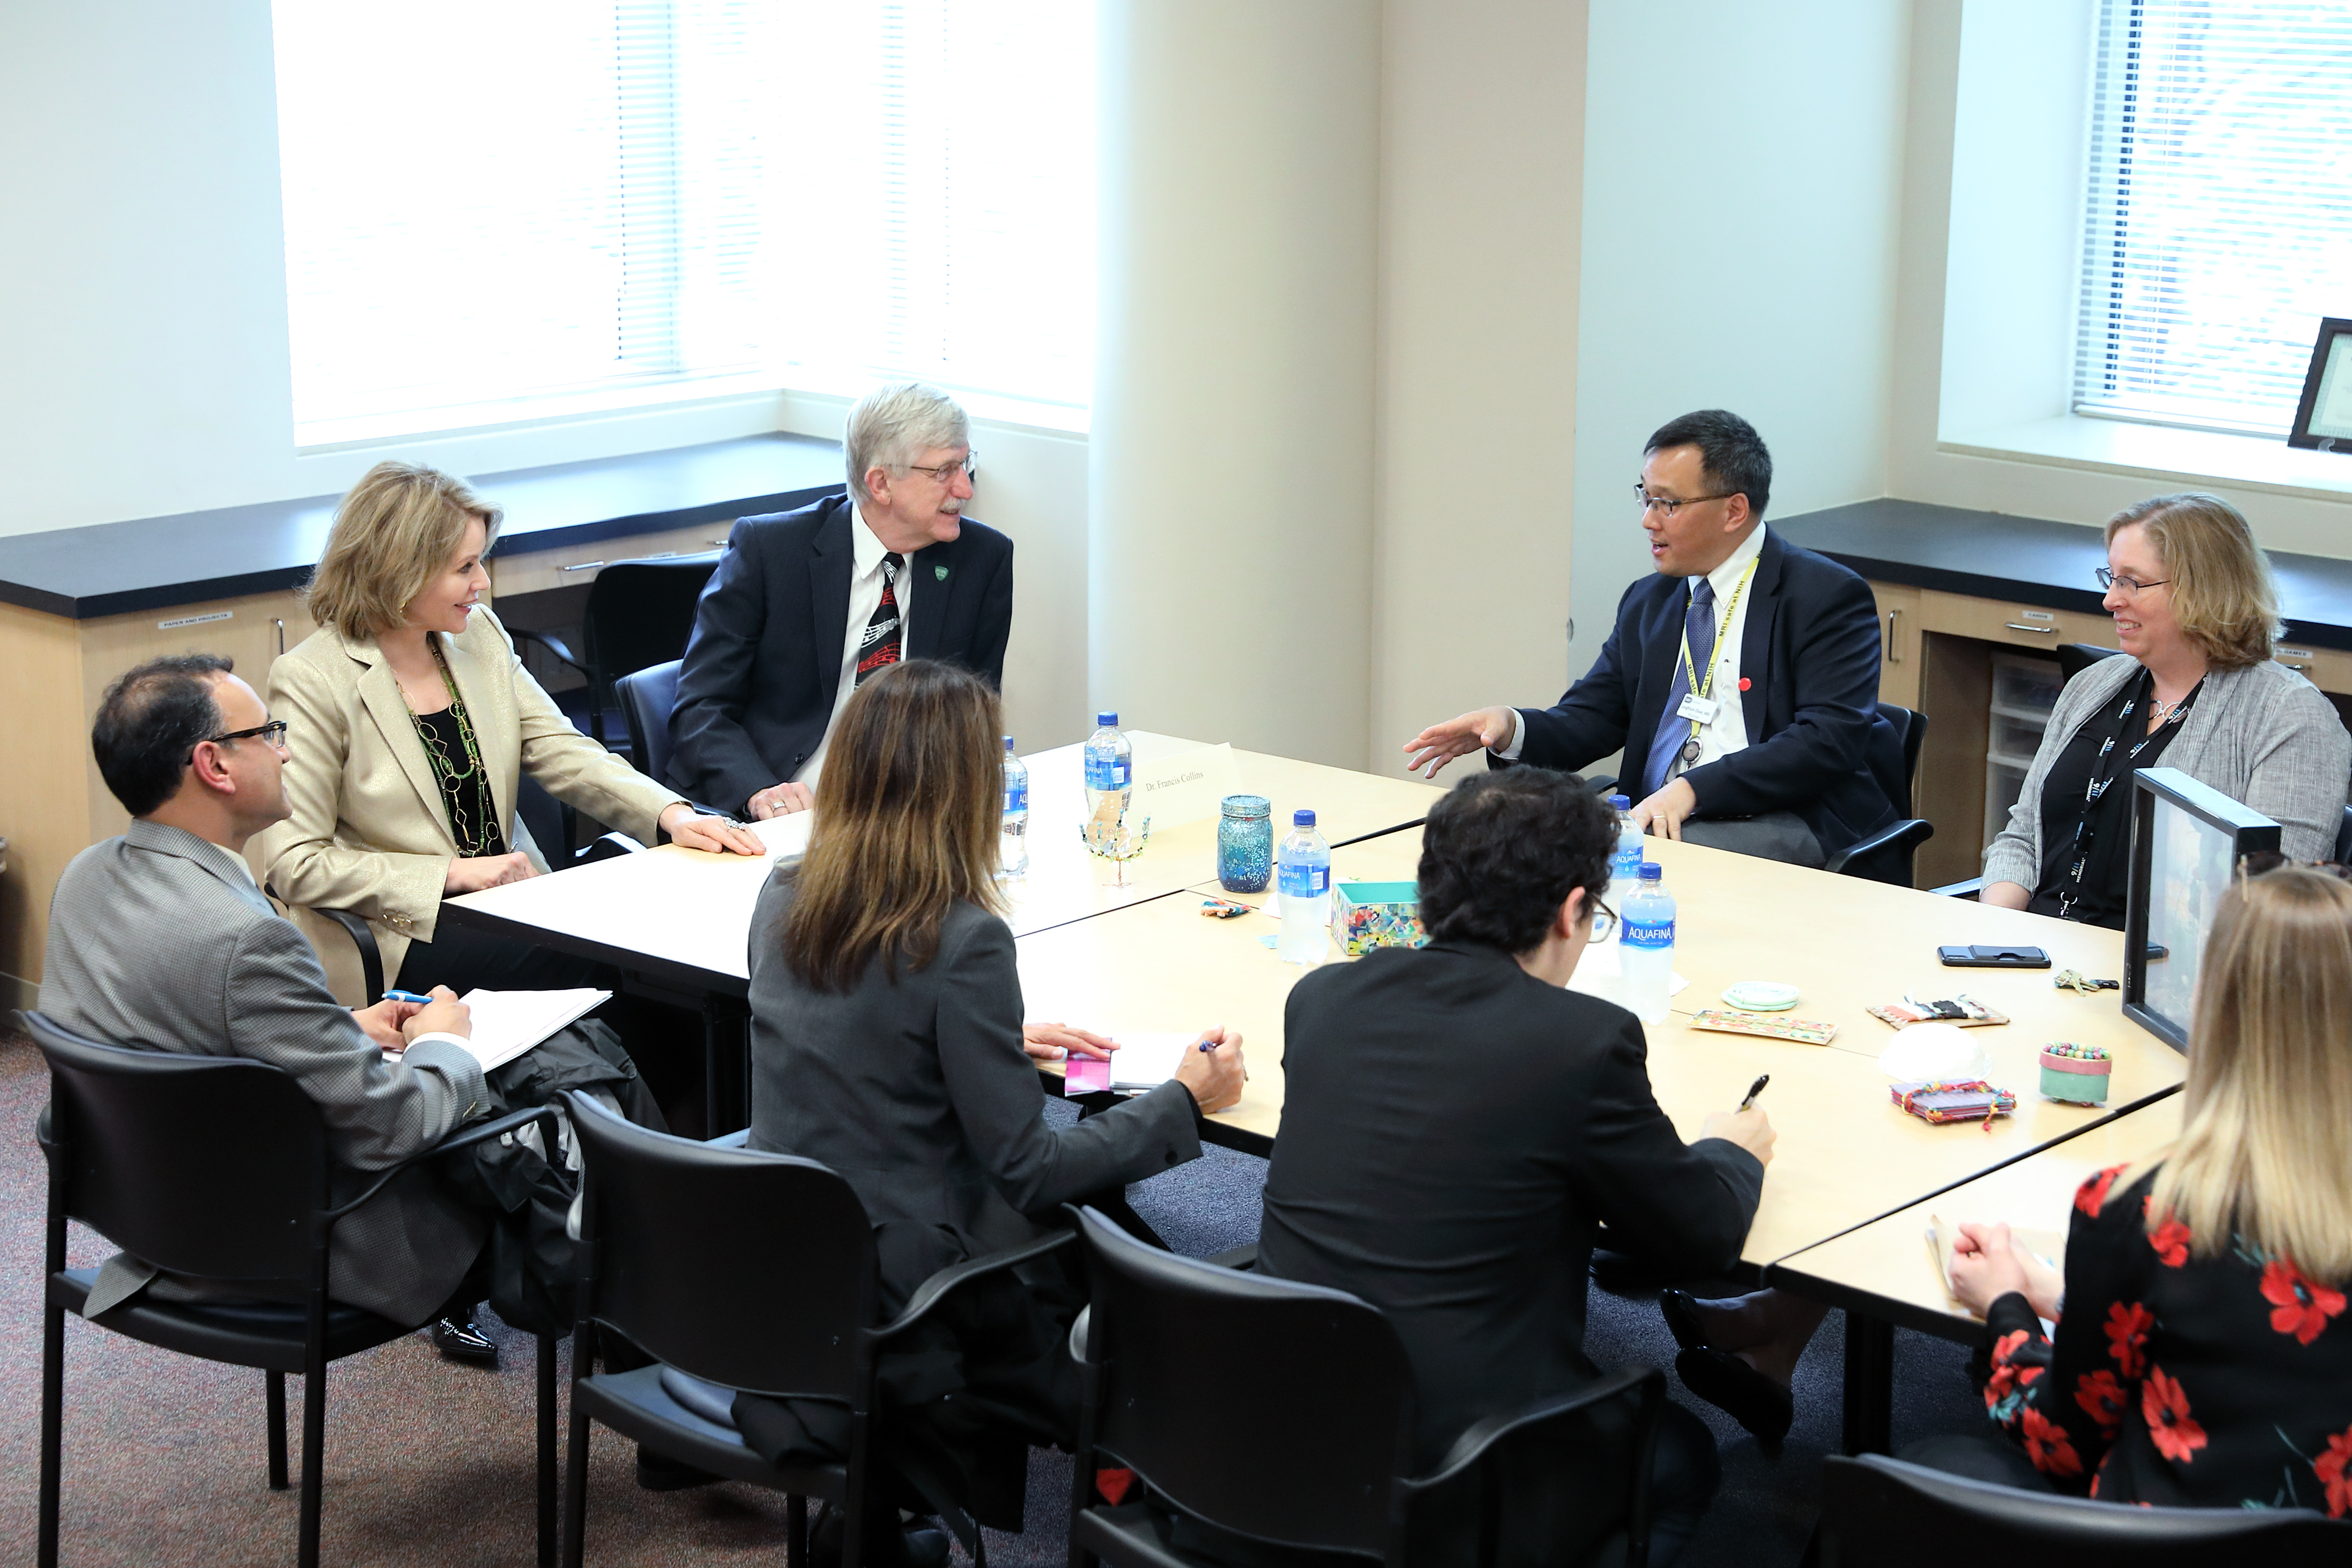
(756, 691)
(1809, 655)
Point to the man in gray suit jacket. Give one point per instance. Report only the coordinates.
(159, 939)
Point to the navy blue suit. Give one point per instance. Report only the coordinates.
(1808, 657)
(756, 691)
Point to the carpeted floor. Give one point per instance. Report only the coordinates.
(431, 1465)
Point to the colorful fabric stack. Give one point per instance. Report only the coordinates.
(1975, 1100)
(1366, 915)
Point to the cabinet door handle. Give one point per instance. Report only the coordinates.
(281, 636)
(1894, 648)
(2012, 626)
(582, 566)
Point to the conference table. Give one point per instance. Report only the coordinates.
(1131, 950)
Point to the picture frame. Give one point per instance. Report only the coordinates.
(2187, 839)
(2322, 419)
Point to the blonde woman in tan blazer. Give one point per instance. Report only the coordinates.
(411, 724)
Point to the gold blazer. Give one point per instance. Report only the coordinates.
(367, 830)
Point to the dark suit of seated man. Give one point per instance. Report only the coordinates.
(159, 940)
(1457, 1125)
(805, 604)
(1741, 681)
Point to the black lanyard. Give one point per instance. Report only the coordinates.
(2104, 768)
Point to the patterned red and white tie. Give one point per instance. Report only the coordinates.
(877, 648)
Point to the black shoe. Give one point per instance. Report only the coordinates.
(1739, 1391)
(1682, 1319)
(465, 1342)
(660, 1473)
(917, 1544)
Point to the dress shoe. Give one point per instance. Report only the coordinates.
(919, 1543)
(465, 1342)
(1682, 1319)
(660, 1473)
(1738, 1390)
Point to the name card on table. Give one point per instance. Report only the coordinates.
(1183, 786)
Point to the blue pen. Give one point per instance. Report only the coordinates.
(407, 997)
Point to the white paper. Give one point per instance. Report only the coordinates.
(1148, 1060)
(1183, 786)
(508, 1023)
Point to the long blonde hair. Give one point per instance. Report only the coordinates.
(908, 809)
(393, 532)
(2264, 1152)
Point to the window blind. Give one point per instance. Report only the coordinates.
(2219, 223)
(499, 209)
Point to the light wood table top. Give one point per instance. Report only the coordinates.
(1845, 1154)
(1887, 1268)
(685, 916)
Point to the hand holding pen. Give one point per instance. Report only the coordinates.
(1747, 1126)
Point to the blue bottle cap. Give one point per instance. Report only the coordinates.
(1008, 742)
(1653, 872)
(1302, 818)
(1105, 721)
(1619, 803)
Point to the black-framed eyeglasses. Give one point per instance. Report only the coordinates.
(946, 472)
(273, 732)
(2130, 585)
(1660, 503)
(1604, 920)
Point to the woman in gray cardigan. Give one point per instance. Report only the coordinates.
(887, 1043)
(2195, 613)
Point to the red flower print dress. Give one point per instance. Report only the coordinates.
(2220, 1381)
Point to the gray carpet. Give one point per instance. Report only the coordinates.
(430, 1465)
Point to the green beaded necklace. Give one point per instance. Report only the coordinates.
(471, 822)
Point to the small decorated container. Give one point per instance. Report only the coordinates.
(1245, 844)
(2076, 1074)
(1366, 915)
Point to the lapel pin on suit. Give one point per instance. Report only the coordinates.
(939, 573)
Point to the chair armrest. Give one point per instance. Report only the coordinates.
(1603, 785)
(513, 1121)
(1967, 889)
(553, 645)
(362, 937)
(932, 1291)
(608, 847)
(1240, 1257)
(1472, 1445)
(1912, 830)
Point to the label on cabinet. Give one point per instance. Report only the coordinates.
(195, 620)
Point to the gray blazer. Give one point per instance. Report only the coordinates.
(2262, 735)
(159, 940)
(918, 1091)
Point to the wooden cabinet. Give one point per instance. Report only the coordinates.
(575, 566)
(1898, 643)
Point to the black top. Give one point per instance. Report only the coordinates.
(2109, 745)
(1453, 1133)
(1808, 692)
(465, 794)
(2178, 1380)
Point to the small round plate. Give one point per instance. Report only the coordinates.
(1760, 996)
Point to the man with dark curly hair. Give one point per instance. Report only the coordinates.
(1457, 1125)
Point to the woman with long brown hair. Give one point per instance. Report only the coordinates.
(2203, 1357)
(887, 1043)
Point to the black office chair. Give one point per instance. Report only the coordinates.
(2075, 658)
(638, 613)
(1303, 1438)
(218, 1167)
(2343, 838)
(735, 1270)
(1886, 855)
(647, 698)
(1878, 1512)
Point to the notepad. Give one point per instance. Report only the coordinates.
(508, 1023)
(1141, 1061)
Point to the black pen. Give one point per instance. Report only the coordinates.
(1756, 1089)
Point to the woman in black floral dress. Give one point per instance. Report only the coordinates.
(2204, 1356)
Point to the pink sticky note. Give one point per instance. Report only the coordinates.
(1085, 1074)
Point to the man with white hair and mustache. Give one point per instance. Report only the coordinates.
(805, 604)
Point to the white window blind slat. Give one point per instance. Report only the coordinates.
(495, 207)
(2219, 225)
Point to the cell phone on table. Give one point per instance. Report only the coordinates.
(1993, 957)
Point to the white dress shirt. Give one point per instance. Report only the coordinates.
(866, 552)
(1728, 731)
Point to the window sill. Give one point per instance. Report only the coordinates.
(2188, 457)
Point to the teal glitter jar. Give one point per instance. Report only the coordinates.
(1245, 844)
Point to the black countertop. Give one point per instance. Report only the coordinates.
(157, 562)
(2033, 561)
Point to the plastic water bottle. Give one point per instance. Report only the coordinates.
(1625, 866)
(1013, 839)
(1305, 879)
(1110, 768)
(1646, 960)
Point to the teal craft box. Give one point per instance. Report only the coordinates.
(1366, 915)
